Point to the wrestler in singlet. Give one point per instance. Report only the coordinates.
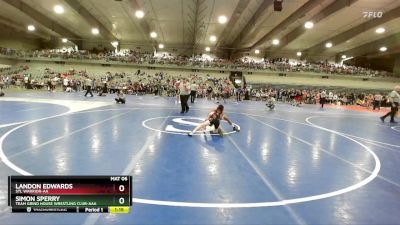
(214, 118)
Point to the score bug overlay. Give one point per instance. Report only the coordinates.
(78, 194)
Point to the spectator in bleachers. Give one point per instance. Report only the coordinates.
(133, 56)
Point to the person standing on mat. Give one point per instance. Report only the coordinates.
(209, 92)
(1, 83)
(88, 86)
(193, 91)
(184, 95)
(393, 100)
(322, 99)
(238, 92)
(226, 93)
(377, 101)
(177, 84)
(1, 86)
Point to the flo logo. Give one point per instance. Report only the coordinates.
(373, 14)
(182, 125)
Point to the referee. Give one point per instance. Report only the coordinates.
(393, 100)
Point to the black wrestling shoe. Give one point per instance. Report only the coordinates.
(187, 110)
(182, 112)
(394, 121)
(382, 119)
(190, 134)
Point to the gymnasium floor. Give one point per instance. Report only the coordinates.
(294, 165)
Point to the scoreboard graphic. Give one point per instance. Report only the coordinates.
(70, 194)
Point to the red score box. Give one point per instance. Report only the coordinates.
(121, 188)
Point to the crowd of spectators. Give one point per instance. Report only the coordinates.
(164, 84)
(137, 83)
(298, 96)
(245, 63)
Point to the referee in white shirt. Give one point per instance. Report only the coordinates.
(393, 100)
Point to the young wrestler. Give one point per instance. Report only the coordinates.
(214, 118)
